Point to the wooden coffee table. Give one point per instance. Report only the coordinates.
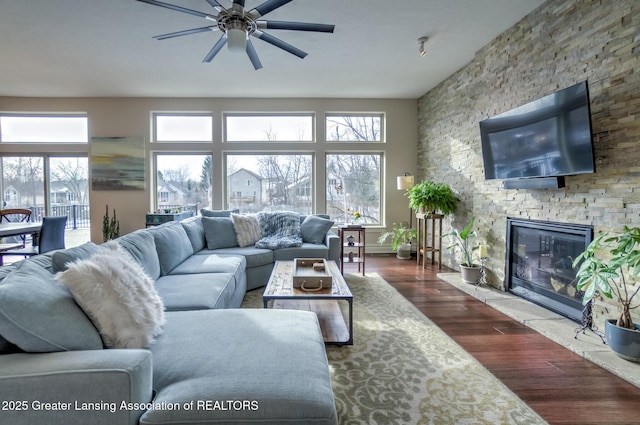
(324, 303)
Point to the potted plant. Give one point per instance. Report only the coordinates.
(429, 198)
(401, 236)
(615, 277)
(461, 243)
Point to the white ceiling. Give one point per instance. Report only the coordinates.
(96, 48)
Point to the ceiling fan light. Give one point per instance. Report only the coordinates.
(237, 40)
(421, 49)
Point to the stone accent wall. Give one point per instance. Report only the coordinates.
(559, 44)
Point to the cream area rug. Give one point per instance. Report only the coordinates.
(402, 369)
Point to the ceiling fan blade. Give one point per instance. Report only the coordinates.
(279, 43)
(185, 32)
(253, 55)
(295, 26)
(217, 6)
(176, 8)
(267, 7)
(216, 48)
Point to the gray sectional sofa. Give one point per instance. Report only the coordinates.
(212, 363)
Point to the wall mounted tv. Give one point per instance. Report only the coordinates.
(547, 138)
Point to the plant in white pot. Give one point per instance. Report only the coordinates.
(461, 243)
(401, 236)
(610, 266)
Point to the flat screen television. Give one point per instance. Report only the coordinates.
(548, 137)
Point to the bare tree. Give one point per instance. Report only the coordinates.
(72, 172)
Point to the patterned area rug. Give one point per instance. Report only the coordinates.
(402, 369)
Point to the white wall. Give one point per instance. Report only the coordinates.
(113, 117)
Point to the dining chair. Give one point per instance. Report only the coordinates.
(15, 215)
(51, 238)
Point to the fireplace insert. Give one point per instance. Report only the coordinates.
(539, 263)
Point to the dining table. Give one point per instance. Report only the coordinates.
(21, 228)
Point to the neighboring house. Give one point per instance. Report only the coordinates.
(169, 194)
(244, 190)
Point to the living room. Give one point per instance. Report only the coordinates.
(433, 135)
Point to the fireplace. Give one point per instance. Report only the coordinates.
(539, 263)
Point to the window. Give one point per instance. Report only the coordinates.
(183, 182)
(43, 129)
(183, 128)
(268, 127)
(354, 182)
(283, 182)
(354, 128)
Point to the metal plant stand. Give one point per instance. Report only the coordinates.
(587, 323)
(483, 272)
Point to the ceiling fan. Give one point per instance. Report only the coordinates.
(237, 25)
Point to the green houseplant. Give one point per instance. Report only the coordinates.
(401, 236)
(615, 276)
(110, 226)
(429, 197)
(461, 243)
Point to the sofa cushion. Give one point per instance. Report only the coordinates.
(118, 296)
(39, 315)
(219, 232)
(254, 256)
(212, 263)
(247, 229)
(273, 358)
(217, 213)
(200, 291)
(195, 231)
(306, 250)
(61, 258)
(314, 229)
(172, 245)
(142, 247)
(279, 229)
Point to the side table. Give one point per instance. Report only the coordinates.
(429, 238)
(352, 252)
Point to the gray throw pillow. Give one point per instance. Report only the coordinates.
(219, 232)
(195, 231)
(39, 315)
(142, 247)
(315, 228)
(217, 213)
(172, 244)
(60, 259)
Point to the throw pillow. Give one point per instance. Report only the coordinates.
(247, 229)
(279, 229)
(219, 233)
(61, 258)
(172, 244)
(118, 296)
(314, 229)
(39, 315)
(217, 213)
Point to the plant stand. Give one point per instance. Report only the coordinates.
(483, 272)
(429, 239)
(587, 323)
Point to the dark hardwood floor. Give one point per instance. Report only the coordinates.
(559, 385)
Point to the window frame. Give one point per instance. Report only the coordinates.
(154, 126)
(47, 115)
(225, 127)
(382, 129)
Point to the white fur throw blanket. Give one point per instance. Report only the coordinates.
(118, 296)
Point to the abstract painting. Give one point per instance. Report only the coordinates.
(117, 163)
